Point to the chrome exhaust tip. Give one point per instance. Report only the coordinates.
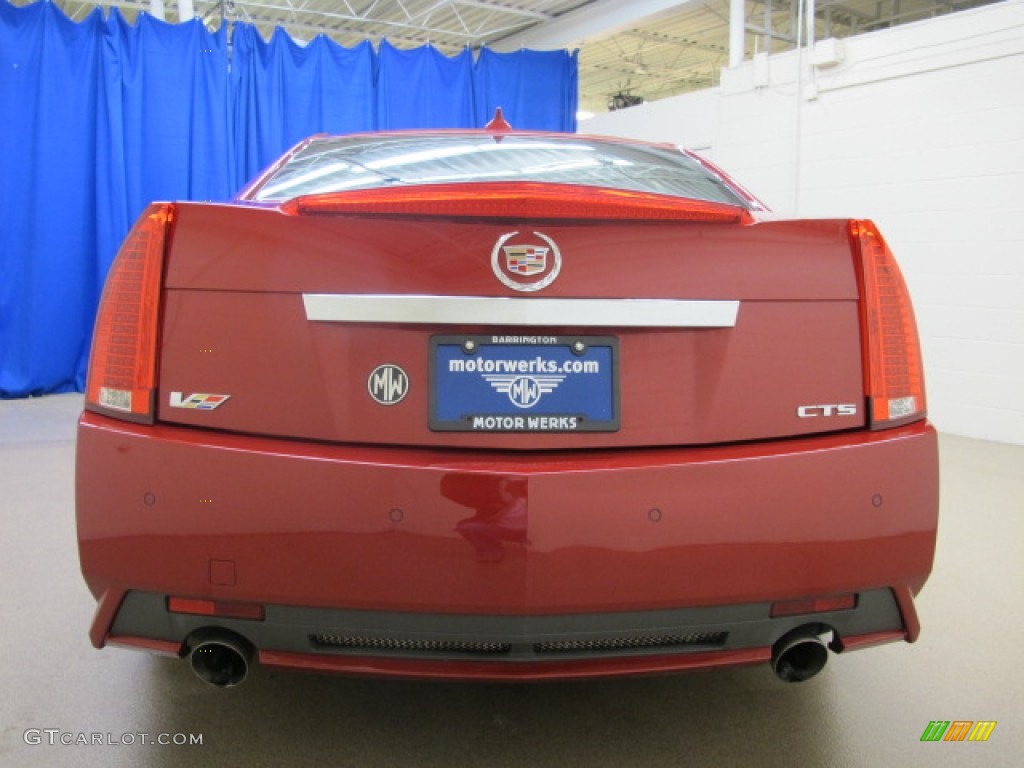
(220, 658)
(799, 655)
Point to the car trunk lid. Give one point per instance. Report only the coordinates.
(285, 325)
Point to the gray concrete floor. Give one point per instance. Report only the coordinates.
(866, 709)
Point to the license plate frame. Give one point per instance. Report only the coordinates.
(528, 383)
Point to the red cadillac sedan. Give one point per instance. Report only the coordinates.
(507, 406)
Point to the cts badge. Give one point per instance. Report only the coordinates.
(814, 411)
(388, 384)
(516, 263)
(199, 401)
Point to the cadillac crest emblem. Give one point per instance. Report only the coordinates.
(515, 263)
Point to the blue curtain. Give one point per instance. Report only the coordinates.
(423, 88)
(284, 92)
(99, 118)
(48, 93)
(526, 84)
(173, 114)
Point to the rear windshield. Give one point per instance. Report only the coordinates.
(365, 162)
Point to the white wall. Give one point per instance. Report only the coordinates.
(920, 128)
(689, 120)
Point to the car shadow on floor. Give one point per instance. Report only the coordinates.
(730, 717)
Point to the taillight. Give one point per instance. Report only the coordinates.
(893, 371)
(122, 366)
(526, 200)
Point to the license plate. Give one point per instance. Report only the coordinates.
(524, 384)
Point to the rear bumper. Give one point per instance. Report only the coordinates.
(408, 555)
(510, 647)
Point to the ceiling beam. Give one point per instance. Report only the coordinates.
(596, 19)
(680, 42)
(503, 9)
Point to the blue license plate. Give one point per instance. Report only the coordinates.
(524, 384)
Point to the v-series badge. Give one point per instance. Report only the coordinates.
(814, 411)
(199, 401)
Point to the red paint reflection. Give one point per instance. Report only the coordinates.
(501, 511)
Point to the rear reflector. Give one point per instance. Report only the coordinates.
(813, 605)
(893, 370)
(225, 609)
(519, 200)
(122, 366)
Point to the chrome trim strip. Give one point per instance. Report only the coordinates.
(485, 310)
